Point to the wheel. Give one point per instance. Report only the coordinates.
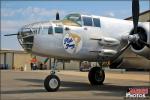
(96, 76)
(52, 83)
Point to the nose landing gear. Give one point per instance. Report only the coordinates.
(52, 82)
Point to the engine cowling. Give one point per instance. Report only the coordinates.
(130, 63)
(139, 48)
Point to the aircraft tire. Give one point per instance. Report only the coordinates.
(96, 76)
(52, 83)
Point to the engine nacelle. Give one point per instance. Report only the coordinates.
(130, 62)
(139, 48)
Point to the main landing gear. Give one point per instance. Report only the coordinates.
(96, 76)
(52, 82)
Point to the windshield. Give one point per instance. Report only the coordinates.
(74, 17)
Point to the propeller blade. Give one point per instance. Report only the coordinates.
(57, 16)
(135, 14)
(10, 34)
(122, 51)
(148, 45)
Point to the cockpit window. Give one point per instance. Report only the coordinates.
(87, 21)
(74, 17)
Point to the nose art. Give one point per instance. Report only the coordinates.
(26, 38)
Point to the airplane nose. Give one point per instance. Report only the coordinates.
(26, 38)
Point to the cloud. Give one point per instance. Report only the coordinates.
(26, 16)
(109, 14)
(13, 19)
(6, 12)
(11, 26)
(30, 12)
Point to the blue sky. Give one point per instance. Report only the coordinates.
(15, 14)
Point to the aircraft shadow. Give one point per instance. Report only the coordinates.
(67, 86)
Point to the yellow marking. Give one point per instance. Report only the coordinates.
(67, 22)
(106, 63)
(76, 38)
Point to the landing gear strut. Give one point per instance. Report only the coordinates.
(52, 82)
(96, 76)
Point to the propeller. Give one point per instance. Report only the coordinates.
(135, 16)
(136, 38)
(148, 45)
(10, 34)
(57, 16)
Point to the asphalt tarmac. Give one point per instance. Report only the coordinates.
(28, 85)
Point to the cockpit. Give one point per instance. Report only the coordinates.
(82, 20)
(74, 18)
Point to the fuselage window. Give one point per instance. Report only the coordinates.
(96, 22)
(58, 30)
(45, 31)
(50, 30)
(87, 21)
